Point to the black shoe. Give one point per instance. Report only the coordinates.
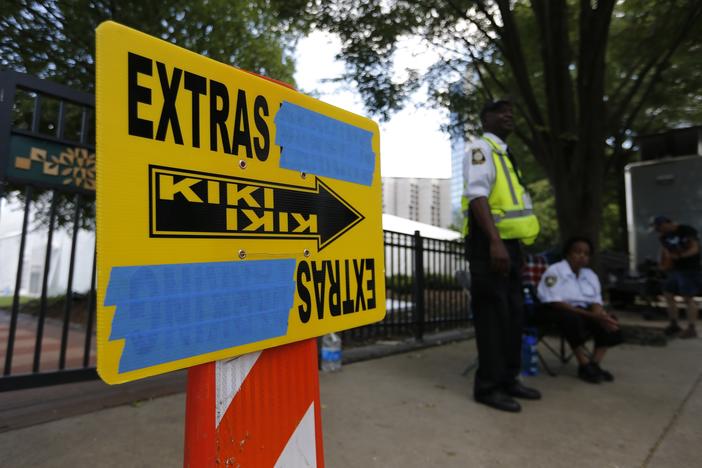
(605, 374)
(589, 373)
(500, 401)
(519, 390)
(689, 332)
(672, 329)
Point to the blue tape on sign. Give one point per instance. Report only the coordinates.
(314, 143)
(170, 312)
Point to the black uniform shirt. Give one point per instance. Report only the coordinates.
(678, 241)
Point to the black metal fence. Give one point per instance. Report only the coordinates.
(47, 164)
(423, 294)
(422, 286)
(49, 338)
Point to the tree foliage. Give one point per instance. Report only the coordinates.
(586, 78)
(56, 39)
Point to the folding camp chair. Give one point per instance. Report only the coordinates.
(534, 267)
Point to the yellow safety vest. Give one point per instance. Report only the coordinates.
(513, 216)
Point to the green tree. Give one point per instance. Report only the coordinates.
(55, 39)
(586, 77)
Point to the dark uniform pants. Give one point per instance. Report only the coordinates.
(578, 329)
(499, 319)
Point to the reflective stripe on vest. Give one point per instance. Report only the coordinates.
(505, 170)
(512, 214)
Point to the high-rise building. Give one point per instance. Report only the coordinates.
(424, 200)
(458, 145)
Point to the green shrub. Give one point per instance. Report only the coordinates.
(404, 284)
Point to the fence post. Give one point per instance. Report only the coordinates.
(418, 291)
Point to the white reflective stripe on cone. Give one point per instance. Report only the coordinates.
(229, 376)
(301, 449)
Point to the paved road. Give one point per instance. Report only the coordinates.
(413, 410)
(26, 340)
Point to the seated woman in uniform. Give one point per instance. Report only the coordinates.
(570, 295)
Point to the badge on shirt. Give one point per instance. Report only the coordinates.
(550, 281)
(478, 156)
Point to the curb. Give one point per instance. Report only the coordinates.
(389, 348)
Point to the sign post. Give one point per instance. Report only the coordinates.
(260, 409)
(236, 220)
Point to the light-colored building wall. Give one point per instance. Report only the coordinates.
(424, 200)
(459, 142)
(458, 145)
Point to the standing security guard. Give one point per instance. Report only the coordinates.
(498, 219)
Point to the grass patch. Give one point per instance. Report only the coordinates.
(6, 301)
(55, 307)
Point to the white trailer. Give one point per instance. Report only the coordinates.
(671, 187)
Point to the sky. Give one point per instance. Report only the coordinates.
(411, 142)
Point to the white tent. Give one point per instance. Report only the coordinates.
(407, 226)
(399, 252)
(11, 215)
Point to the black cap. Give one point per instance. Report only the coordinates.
(659, 220)
(492, 106)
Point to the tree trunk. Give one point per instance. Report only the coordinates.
(578, 200)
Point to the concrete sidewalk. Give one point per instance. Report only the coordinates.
(414, 410)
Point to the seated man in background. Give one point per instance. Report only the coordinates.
(570, 296)
(680, 259)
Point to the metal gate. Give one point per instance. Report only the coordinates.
(47, 173)
(423, 289)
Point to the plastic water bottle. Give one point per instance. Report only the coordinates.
(534, 367)
(530, 358)
(527, 297)
(528, 303)
(526, 354)
(331, 353)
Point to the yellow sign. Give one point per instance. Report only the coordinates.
(233, 213)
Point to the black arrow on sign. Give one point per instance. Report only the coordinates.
(197, 204)
(334, 215)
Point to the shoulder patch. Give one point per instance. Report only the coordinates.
(550, 281)
(478, 156)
